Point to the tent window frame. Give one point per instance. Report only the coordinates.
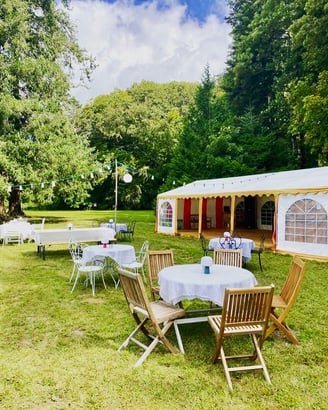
(166, 214)
(306, 221)
(267, 213)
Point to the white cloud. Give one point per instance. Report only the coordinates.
(134, 43)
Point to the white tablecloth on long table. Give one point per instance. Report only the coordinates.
(119, 253)
(246, 244)
(179, 282)
(58, 236)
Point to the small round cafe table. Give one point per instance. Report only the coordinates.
(119, 253)
(179, 282)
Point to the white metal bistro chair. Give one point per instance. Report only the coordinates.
(91, 270)
(10, 236)
(139, 263)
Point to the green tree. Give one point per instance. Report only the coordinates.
(262, 65)
(189, 159)
(39, 149)
(139, 127)
(307, 93)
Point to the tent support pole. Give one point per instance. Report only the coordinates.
(200, 216)
(232, 214)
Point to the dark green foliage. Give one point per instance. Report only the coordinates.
(140, 128)
(38, 143)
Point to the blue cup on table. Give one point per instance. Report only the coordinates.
(206, 263)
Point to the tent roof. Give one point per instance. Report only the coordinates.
(298, 181)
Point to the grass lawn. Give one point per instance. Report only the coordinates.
(59, 350)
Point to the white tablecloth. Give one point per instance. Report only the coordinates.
(119, 253)
(181, 282)
(246, 244)
(116, 227)
(58, 236)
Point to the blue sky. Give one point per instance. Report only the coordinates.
(196, 9)
(155, 40)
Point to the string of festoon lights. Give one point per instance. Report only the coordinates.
(108, 168)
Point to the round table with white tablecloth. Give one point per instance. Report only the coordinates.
(246, 244)
(119, 253)
(116, 226)
(179, 282)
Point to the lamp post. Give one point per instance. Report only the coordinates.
(127, 178)
(116, 185)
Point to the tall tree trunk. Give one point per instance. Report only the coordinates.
(15, 204)
(3, 213)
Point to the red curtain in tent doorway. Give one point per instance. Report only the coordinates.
(219, 213)
(186, 213)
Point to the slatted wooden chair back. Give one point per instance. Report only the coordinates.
(231, 257)
(158, 314)
(158, 260)
(134, 292)
(246, 308)
(245, 312)
(292, 285)
(282, 303)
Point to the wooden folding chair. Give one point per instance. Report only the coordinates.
(231, 257)
(157, 260)
(245, 312)
(282, 303)
(159, 315)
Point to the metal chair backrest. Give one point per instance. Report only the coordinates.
(143, 252)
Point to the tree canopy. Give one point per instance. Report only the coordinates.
(266, 112)
(139, 127)
(40, 151)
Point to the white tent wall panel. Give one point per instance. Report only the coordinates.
(305, 248)
(166, 224)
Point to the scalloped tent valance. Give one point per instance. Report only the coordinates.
(286, 182)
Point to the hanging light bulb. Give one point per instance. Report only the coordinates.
(42, 185)
(53, 184)
(127, 178)
(9, 189)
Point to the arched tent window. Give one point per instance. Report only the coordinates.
(166, 214)
(240, 214)
(267, 212)
(306, 221)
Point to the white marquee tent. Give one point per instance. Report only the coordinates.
(293, 204)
